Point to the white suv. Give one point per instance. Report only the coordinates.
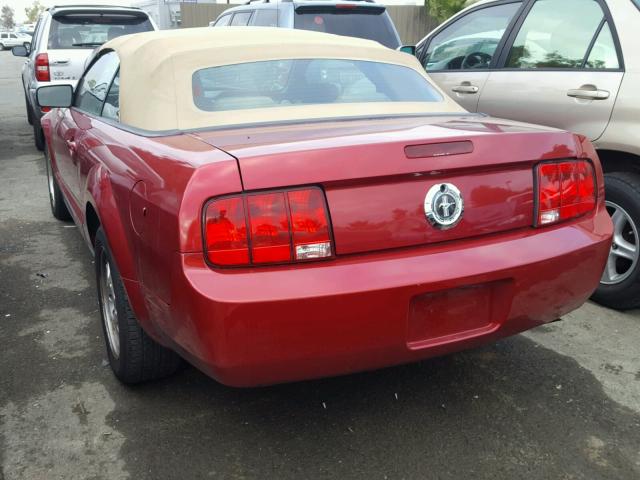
(12, 39)
(62, 41)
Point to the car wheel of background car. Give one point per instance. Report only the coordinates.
(133, 355)
(58, 207)
(620, 284)
(1, 47)
(38, 134)
(29, 114)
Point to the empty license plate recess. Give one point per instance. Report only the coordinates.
(455, 314)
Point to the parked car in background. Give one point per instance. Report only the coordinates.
(27, 28)
(571, 64)
(9, 40)
(64, 38)
(361, 19)
(296, 205)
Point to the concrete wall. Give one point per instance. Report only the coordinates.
(411, 21)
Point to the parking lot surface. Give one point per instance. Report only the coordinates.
(560, 402)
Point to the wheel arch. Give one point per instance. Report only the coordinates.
(103, 210)
(92, 222)
(619, 161)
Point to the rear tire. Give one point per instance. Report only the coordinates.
(620, 284)
(38, 133)
(29, 114)
(58, 207)
(1, 47)
(133, 355)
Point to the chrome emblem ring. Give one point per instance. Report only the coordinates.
(443, 206)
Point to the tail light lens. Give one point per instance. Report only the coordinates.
(565, 190)
(270, 233)
(268, 227)
(42, 68)
(226, 232)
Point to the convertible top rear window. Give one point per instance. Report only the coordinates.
(281, 83)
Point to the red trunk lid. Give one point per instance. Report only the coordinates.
(376, 173)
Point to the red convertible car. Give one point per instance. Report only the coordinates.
(276, 205)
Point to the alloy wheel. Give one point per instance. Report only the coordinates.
(108, 303)
(624, 253)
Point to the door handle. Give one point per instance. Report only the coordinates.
(588, 92)
(60, 62)
(465, 87)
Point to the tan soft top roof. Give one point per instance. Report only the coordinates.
(156, 71)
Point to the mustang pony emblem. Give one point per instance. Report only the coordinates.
(443, 206)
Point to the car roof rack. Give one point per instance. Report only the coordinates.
(330, 1)
(310, 1)
(85, 5)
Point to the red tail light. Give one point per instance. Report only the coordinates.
(565, 190)
(226, 232)
(270, 233)
(270, 227)
(42, 68)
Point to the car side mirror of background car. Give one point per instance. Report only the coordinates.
(55, 96)
(20, 51)
(410, 49)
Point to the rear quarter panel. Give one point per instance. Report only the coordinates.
(136, 185)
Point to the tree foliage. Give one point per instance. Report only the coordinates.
(34, 11)
(443, 9)
(6, 18)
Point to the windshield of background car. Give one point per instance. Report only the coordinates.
(375, 25)
(281, 83)
(473, 37)
(91, 30)
(637, 2)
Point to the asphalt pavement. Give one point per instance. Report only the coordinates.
(560, 402)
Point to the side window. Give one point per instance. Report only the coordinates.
(111, 107)
(13, 35)
(92, 87)
(266, 17)
(36, 35)
(556, 34)
(471, 41)
(240, 19)
(3, 35)
(223, 21)
(603, 53)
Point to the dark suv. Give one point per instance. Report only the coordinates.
(362, 19)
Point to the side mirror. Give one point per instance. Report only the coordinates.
(55, 96)
(20, 51)
(410, 49)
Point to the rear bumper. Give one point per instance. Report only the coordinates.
(361, 312)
